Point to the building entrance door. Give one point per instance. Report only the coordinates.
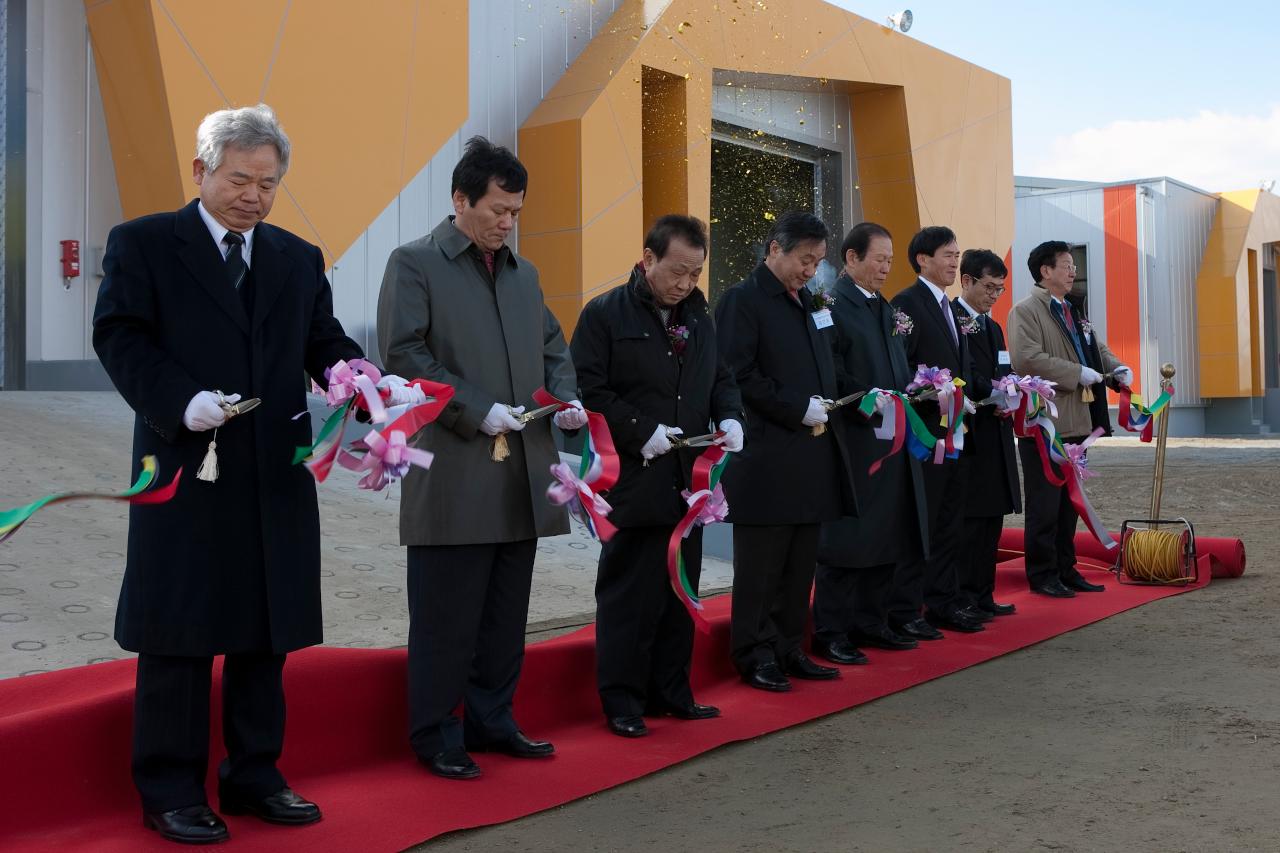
(752, 185)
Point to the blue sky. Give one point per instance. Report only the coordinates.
(1115, 90)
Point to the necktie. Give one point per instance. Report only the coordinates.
(235, 258)
(950, 318)
(1068, 319)
(1065, 313)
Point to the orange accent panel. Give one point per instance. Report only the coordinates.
(1000, 311)
(359, 95)
(1120, 221)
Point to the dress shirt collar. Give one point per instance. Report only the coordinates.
(968, 307)
(218, 231)
(939, 294)
(865, 292)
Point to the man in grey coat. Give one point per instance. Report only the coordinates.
(458, 306)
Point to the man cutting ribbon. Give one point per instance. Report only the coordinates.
(208, 298)
(647, 359)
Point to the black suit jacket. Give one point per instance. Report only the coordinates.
(629, 371)
(893, 524)
(930, 343)
(988, 446)
(779, 358)
(232, 565)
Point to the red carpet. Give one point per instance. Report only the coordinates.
(64, 736)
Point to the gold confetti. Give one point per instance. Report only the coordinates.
(681, 27)
(769, 216)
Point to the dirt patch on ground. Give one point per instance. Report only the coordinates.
(1154, 730)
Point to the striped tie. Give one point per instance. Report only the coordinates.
(235, 258)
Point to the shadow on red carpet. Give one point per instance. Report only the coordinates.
(64, 736)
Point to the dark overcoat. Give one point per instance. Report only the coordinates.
(780, 358)
(443, 317)
(233, 565)
(893, 521)
(629, 371)
(993, 472)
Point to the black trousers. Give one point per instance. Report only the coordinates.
(1050, 520)
(644, 636)
(468, 605)
(981, 542)
(171, 728)
(850, 599)
(772, 577)
(934, 583)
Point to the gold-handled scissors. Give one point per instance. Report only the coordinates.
(241, 408)
(693, 440)
(832, 405)
(534, 414)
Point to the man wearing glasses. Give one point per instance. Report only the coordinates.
(991, 480)
(1051, 339)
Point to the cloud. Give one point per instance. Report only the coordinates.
(1212, 150)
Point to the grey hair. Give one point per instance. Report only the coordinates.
(245, 128)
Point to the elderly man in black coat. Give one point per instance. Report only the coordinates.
(857, 556)
(935, 340)
(775, 337)
(647, 360)
(211, 297)
(991, 477)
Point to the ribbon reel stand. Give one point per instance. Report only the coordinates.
(1148, 555)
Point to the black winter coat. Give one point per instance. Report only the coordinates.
(629, 371)
(988, 446)
(779, 358)
(234, 565)
(893, 524)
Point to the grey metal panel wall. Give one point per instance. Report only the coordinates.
(1173, 228)
(517, 53)
(1075, 217)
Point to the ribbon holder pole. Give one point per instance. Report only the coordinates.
(1162, 437)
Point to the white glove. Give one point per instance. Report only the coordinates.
(658, 443)
(732, 438)
(500, 420)
(401, 392)
(575, 418)
(1089, 376)
(205, 413)
(1124, 375)
(817, 413)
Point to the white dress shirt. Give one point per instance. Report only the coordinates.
(219, 231)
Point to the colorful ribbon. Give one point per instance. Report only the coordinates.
(1028, 402)
(11, 520)
(951, 403)
(900, 425)
(354, 380)
(584, 505)
(1144, 419)
(327, 449)
(598, 471)
(707, 505)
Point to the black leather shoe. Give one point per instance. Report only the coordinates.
(188, 825)
(883, 638)
(956, 620)
(1079, 584)
(919, 629)
(283, 807)
(517, 746)
(1053, 589)
(993, 609)
(692, 711)
(799, 666)
(767, 676)
(977, 614)
(839, 650)
(630, 725)
(453, 763)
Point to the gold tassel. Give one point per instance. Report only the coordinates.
(819, 429)
(1087, 394)
(500, 450)
(209, 467)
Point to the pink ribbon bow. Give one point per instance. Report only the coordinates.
(355, 378)
(712, 511)
(572, 492)
(387, 459)
(935, 377)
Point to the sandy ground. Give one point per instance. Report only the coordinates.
(1155, 730)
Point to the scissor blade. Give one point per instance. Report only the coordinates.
(852, 398)
(243, 407)
(697, 440)
(534, 414)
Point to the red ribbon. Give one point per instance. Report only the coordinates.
(701, 493)
(601, 443)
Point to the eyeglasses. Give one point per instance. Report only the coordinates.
(994, 289)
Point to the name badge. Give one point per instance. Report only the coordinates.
(822, 319)
(1002, 357)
